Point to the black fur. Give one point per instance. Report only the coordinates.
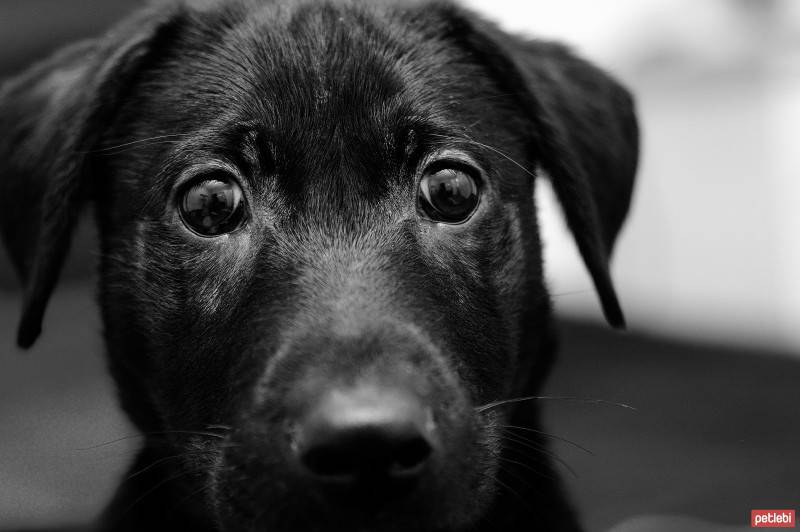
(328, 111)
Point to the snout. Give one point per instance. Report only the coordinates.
(366, 438)
(368, 431)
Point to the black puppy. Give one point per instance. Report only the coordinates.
(321, 275)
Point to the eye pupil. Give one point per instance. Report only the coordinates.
(448, 195)
(212, 206)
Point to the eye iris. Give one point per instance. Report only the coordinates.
(449, 195)
(212, 206)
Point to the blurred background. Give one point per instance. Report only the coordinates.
(711, 250)
(707, 267)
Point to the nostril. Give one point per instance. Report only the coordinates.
(367, 452)
(410, 455)
(364, 436)
(330, 461)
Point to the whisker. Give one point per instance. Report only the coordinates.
(206, 486)
(539, 449)
(513, 492)
(166, 459)
(139, 141)
(518, 477)
(587, 400)
(182, 474)
(139, 499)
(130, 148)
(117, 454)
(111, 442)
(548, 435)
(193, 494)
(490, 148)
(146, 434)
(528, 467)
(219, 427)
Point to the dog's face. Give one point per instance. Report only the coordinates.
(319, 248)
(322, 227)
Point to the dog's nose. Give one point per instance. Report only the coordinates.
(366, 436)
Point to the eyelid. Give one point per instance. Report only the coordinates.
(449, 158)
(456, 165)
(192, 172)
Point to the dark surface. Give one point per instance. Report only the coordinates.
(715, 432)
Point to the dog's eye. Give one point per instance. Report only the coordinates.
(448, 195)
(212, 205)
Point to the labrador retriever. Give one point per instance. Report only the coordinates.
(320, 270)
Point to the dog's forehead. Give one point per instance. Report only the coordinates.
(316, 68)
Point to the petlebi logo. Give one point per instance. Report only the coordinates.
(772, 519)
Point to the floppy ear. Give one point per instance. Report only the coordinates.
(51, 119)
(583, 130)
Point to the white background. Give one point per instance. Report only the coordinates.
(711, 249)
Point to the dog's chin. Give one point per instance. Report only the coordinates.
(449, 497)
(236, 511)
